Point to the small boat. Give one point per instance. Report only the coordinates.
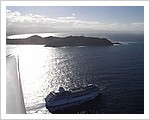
(62, 98)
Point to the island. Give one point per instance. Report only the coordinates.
(78, 41)
(52, 41)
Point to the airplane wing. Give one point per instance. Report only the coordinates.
(14, 94)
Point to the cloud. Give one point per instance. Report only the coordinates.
(66, 18)
(73, 14)
(16, 21)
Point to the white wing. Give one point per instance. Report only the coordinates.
(14, 94)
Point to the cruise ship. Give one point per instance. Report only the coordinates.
(62, 98)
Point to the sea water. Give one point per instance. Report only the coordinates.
(118, 70)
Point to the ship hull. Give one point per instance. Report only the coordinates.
(61, 104)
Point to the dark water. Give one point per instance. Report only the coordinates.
(118, 71)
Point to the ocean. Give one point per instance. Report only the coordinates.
(118, 70)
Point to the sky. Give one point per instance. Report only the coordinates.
(27, 19)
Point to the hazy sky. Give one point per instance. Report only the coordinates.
(75, 19)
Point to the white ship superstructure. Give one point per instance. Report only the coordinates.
(65, 98)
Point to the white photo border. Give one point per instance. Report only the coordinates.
(75, 3)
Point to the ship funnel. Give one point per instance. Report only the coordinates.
(61, 89)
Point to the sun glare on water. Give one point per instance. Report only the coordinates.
(35, 63)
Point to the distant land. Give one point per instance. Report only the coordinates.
(62, 41)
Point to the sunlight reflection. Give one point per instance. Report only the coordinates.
(42, 70)
(32, 59)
